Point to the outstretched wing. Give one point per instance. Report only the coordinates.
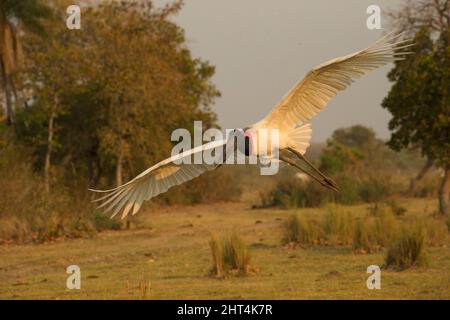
(323, 83)
(158, 179)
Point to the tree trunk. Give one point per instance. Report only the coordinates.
(10, 115)
(444, 192)
(119, 166)
(48, 154)
(420, 176)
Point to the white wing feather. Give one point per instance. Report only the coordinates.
(156, 180)
(323, 83)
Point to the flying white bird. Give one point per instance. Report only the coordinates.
(290, 117)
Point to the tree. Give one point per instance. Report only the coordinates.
(413, 15)
(106, 98)
(338, 158)
(147, 78)
(356, 137)
(51, 74)
(419, 100)
(353, 149)
(13, 16)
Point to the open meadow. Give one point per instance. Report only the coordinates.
(166, 255)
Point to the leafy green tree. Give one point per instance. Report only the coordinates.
(352, 149)
(147, 79)
(51, 75)
(337, 158)
(15, 16)
(356, 137)
(419, 100)
(106, 98)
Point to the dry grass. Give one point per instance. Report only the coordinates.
(363, 241)
(140, 292)
(230, 256)
(302, 230)
(175, 255)
(30, 214)
(339, 225)
(408, 250)
(376, 231)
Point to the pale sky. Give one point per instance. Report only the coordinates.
(261, 48)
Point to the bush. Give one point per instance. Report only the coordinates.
(220, 185)
(292, 229)
(375, 231)
(294, 193)
(385, 226)
(339, 226)
(103, 222)
(349, 190)
(366, 234)
(363, 241)
(373, 190)
(408, 250)
(302, 230)
(58, 226)
(29, 214)
(13, 229)
(230, 256)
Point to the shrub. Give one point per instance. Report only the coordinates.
(373, 190)
(349, 190)
(300, 229)
(375, 231)
(339, 226)
(29, 214)
(408, 250)
(13, 229)
(364, 240)
(291, 229)
(206, 189)
(230, 256)
(295, 193)
(385, 226)
(103, 222)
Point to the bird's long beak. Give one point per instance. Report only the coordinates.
(321, 178)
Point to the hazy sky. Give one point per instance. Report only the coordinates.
(261, 48)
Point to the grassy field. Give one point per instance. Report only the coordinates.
(166, 255)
